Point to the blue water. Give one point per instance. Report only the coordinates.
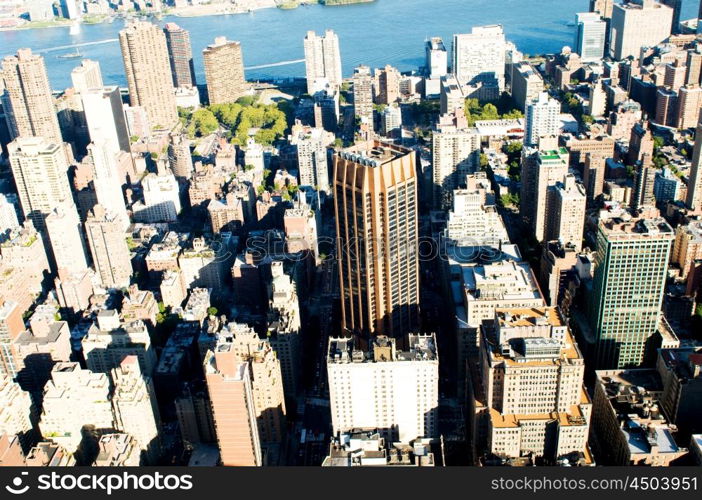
(379, 33)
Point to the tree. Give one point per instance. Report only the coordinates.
(212, 311)
(484, 162)
(205, 122)
(658, 142)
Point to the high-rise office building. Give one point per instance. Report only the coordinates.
(676, 5)
(108, 247)
(632, 262)
(694, 183)
(542, 119)
(593, 175)
(375, 200)
(66, 236)
(180, 55)
(233, 408)
(135, 407)
(29, 104)
(455, 154)
(385, 387)
(636, 24)
(590, 36)
(322, 61)
(363, 96)
(145, 57)
(224, 71)
(479, 58)
(105, 118)
(40, 170)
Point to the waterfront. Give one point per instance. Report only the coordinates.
(378, 33)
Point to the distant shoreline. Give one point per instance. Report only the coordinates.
(206, 10)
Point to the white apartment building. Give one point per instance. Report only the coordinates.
(455, 154)
(311, 146)
(75, 399)
(135, 408)
(385, 388)
(322, 61)
(479, 57)
(161, 199)
(474, 220)
(542, 119)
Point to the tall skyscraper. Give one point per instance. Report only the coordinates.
(363, 96)
(135, 407)
(590, 36)
(322, 61)
(148, 70)
(311, 144)
(542, 119)
(676, 5)
(67, 243)
(29, 104)
(375, 200)
(87, 76)
(108, 248)
(385, 387)
(565, 213)
(644, 182)
(233, 408)
(694, 183)
(105, 118)
(540, 170)
(436, 58)
(455, 154)
(107, 184)
(636, 24)
(40, 170)
(180, 55)
(224, 71)
(284, 324)
(267, 384)
(479, 58)
(388, 79)
(689, 105)
(632, 262)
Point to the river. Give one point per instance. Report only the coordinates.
(379, 33)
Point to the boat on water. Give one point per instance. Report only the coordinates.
(70, 55)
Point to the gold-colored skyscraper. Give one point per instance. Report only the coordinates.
(148, 69)
(30, 105)
(375, 200)
(224, 71)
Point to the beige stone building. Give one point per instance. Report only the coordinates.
(108, 246)
(224, 71)
(148, 70)
(532, 378)
(687, 246)
(29, 104)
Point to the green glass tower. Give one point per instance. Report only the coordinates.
(632, 260)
